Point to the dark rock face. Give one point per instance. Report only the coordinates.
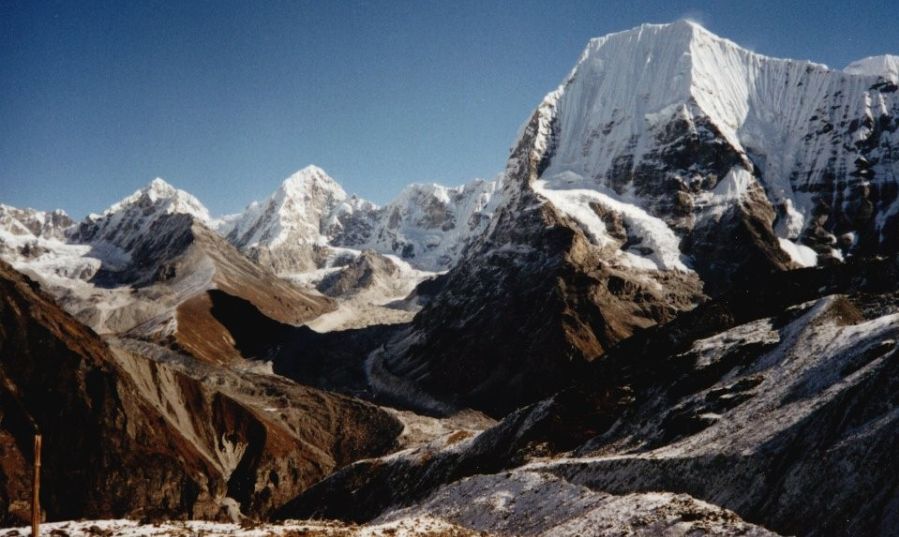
(539, 295)
(857, 185)
(771, 401)
(738, 247)
(136, 430)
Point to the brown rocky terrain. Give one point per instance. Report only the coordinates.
(138, 430)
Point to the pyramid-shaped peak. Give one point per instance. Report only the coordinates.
(304, 182)
(163, 198)
(160, 187)
(309, 175)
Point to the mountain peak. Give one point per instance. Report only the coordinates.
(308, 177)
(677, 35)
(125, 222)
(310, 185)
(165, 198)
(159, 186)
(295, 212)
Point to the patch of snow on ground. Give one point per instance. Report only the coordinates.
(800, 253)
(409, 527)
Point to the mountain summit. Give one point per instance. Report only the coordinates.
(795, 127)
(130, 220)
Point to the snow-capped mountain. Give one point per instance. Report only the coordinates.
(145, 262)
(128, 221)
(671, 163)
(26, 234)
(307, 230)
(819, 142)
(31, 222)
(71, 259)
(426, 225)
(285, 230)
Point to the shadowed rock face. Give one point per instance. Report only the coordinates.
(364, 490)
(137, 430)
(777, 402)
(360, 274)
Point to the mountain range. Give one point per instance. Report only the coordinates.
(674, 310)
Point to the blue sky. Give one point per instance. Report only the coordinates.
(226, 98)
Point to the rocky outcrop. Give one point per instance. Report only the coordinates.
(363, 273)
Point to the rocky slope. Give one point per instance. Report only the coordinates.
(134, 429)
(776, 402)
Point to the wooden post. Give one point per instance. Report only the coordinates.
(36, 489)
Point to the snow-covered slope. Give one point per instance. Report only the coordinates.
(52, 244)
(285, 230)
(30, 222)
(27, 235)
(430, 225)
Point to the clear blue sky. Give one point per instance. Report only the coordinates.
(225, 99)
